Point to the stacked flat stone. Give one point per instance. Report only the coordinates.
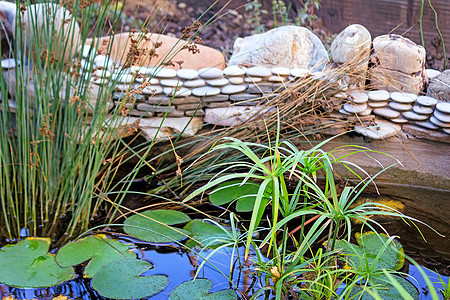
(357, 104)
(441, 116)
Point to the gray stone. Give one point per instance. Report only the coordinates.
(155, 108)
(205, 91)
(243, 97)
(378, 95)
(358, 97)
(403, 97)
(431, 73)
(377, 104)
(190, 106)
(393, 80)
(159, 100)
(439, 86)
(439, 123)
(140, 114)
(218, 104)
(260, 88)
(422, 110)
(177, 91)
(427, 124)
(443, 117)
(197, 113)
(410, 115)
(185, 100)
(253, 79)
(382, 130)
(233, 89)
(366, 112)
(233, 71)
(152, 90)
(159, 127)
(419, 132)
(351, 45)
(218, 82)
(400, 120)
(426, 101)
(443, 107)
(194, 83)
(171, 82)
(351, 108)
(210, 73)
(216, 98)
(285, 46)
(187, 74)
(400, 106)
(233, 116)
(122, 78)
(387, 113)
(174, 113)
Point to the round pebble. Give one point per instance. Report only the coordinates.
(194, 83)
(141, 70)
(300, 73)
(123, 78)
(446, 130)
(400, 120)
(218, 82)
(437, 122)
(177, 91)
(410, 115)
(358, 98)
(252, 79)
(87, 51)
(387, 113)
(378, 95)
(100, 81)
(422, 110)
(427, 124)
(152, 90)
(205, 91)
(382, 130)
(151, 80)
(344, 112)
(400, 106)
(171, 82)
(442, 116)
(377, 104)
(122, 87)
(102, 73)
(431, 73)
(233, 71)
(210, 73)
(426, 101)
(355, 108)
(163, 72)
(366, 112)
(443, 107)
(187, 74)
(280, 71)
(86, 64)
(403, 97)
(276, 78)
(259, 72)
(9, 63)
(236, 80)
(233, 89)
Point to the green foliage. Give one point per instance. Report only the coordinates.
(205, 233)
(28, 264)
(122, 279)
(99, 249)
(199, 289)
(390, 287)
(154, 226)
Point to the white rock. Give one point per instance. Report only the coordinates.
(377, 104)
(233, 89)
(163, 72)
(171, 82)
(422, 110)
(102, 73)
(431, 73)
(300, 73)
(258, 72)
(252, 79)
(233, 71)
(344, 112)
(351, 44)
(88, 52)
(210, 73)
(400, 106)
(403, 97)
(400, 120)
(122, 78)
(276, 78)
(177, 91)
(187, 74)
(141, 70)
(387, 113)
(382, 130)
(9, 63)
(236, 80)
(152, 90)
(439, 123)
(194, 83)
(280, 71)
(426, 101)
(169, 126)
(233, 115)
(443, 107)
(86, 65)
(366, 112)
(205, 91)
(358, 98)
(152, 81)
(378, 95)
(217, 82)
(443, 117)
(355, 108)
(285, 46)
(410, 115)
(427, 124)
(104, 61)
(99, 81)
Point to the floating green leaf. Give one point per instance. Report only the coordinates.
(198, 289)
(233, 190)
(370, 245)
(154, 226)
(204, 232)
(100, 249)
(28, 264)
(385, 289)
(121, 280)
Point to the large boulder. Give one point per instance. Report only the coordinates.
(165, 47)
(439, 87)
(286, 46)
(404, 58)
(45, 22)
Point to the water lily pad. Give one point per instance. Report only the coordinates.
(386, 290)
(28, 264)
(205, 233)
(370, 245)
(154, 226)
(233, 190)
(98, 248)
(198, 289)
(122, 279)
